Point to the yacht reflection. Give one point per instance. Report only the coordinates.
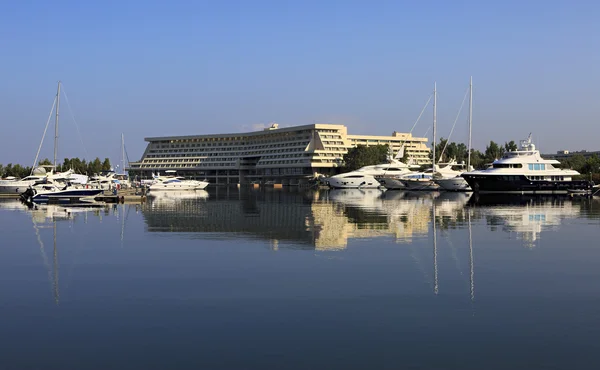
(320, 220)
(12, 204)
(172, 198)
(526, 217)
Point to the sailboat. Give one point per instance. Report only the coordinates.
(56, 189)
(457, 182)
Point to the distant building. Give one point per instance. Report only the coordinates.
(564, 154)
(287, 155)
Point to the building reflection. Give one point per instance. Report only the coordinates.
(321, 220)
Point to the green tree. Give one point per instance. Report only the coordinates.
(45, 162)
(94, 166)
(493, 152)
(478, 160)
(8, 170)
(510, 146)
(362, 155)
(106, 165)
(1, 171)
(592, 165)
(576, 162)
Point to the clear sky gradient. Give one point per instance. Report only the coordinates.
(153, 68)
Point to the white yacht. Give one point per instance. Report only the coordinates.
(525, 171)
(450, 179)
(353, 180)
(386, 174)
(172, 182)
(18, 186)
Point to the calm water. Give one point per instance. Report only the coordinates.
(302, 280)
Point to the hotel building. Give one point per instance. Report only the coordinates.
(287, 155)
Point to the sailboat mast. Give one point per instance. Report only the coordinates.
(56, 125)
(470, 121)
(122, 152)
(434, 122)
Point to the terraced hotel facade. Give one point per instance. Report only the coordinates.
(287, 155)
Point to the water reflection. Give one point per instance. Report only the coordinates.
(49, 221)
(328, 219)
(527, 217)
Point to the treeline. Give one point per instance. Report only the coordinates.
(78, 165)
(460, 153)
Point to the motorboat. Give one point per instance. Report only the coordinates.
(55, 192)
(524, 171)
(172, 182)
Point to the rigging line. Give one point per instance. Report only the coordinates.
(43, 136)
(426, 132)
(422, 111)
(76, 125)
(454, 124)
(126, 154)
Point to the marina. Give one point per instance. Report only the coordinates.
(273, 263)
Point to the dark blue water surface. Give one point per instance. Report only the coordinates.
(278, 279)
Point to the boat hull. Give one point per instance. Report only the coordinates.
(391, 183)
(179, 186)
(14, 187)
(454, 184)
(520, 184)
(352, 183)
(421, 184)
(65, 195)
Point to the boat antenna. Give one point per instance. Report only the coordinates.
(434, 122)
(56, 125)
(470, 122)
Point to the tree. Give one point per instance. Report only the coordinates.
(510, 146)
(576, 162)
(493, 152)
(362, 155)
(592, 165)
(106, 165)
(477, 159)
(45, 162)
(94, 166)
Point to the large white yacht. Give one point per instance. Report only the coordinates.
(353, 180)
(525, 171)
(172, 182)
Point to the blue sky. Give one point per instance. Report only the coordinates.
(152, 68)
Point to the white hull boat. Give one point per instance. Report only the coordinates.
(453, 184)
